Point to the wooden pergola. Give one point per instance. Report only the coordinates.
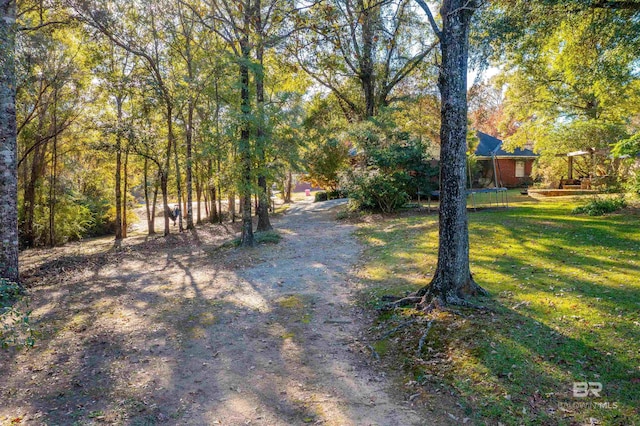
(583, 182)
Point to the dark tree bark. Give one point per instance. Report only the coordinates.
(219, 187)
(198, 184)
(125, 190)
(452, 281)
(263, 204)
(164, 178)
(8, 145)
(189, 165)
(244, 147)
(36, 171)
(118, 173)
(53, 180)
(178, 185)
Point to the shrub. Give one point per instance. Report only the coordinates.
(330, 195)
(320, 196)
(15, 323)
(633, 184)
(392, 167)
(371, 190)
(600, 206)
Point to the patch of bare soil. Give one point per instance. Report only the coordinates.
(176, 331)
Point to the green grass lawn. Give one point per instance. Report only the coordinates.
(565, 291)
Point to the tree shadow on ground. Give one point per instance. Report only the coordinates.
(174, 335)
(566, 299)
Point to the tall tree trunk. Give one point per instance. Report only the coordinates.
(189, 165)
(198, 183)
(211, 194)
(125, 223)
(264, 224)
(8, 145)
(53, 176)
(214, 213)
(367, 78)
(164, 174)
(36, 172)
(219, 186)
(118, 241)
(452, 281)
(178, 186)
(244, 148)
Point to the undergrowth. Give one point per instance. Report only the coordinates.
(600, 206)
(15, 321)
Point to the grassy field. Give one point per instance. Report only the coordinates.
(565, 291)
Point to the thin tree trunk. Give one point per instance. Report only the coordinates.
(164, 174)
(146, 192)
(37, 170)
(244, 147)
(219, 186)
(125, 224)
(214, 213)
(8, 144)
(206, 204)
(198, 182)
(152, 225)
(178, 186)
(54, 171)
(189, 165)
(118, 189)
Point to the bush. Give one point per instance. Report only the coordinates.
(331, 195)
(371, 190)
(633, 184)
(600, 206)
(392, 167)
(15, 323)
(320, 196)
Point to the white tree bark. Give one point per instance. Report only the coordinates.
(8, 146)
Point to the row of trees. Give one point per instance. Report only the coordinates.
(187, 101)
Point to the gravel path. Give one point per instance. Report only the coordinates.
(181, 337)
(300, 352)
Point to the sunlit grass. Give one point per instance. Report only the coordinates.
(566, 295)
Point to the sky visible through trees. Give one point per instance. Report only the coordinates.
(120, 103)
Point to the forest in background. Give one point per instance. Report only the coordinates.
(154, 102)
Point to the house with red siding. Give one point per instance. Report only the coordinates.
(512, 169)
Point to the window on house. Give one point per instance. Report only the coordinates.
(519, 169)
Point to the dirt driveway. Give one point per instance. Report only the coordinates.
(175, 331)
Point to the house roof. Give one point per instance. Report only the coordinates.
(490, 146)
